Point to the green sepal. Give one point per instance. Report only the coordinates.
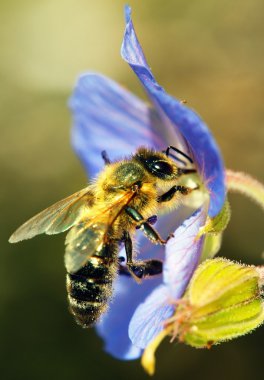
(212, 245)
(218, 223)
(201, 337)
(216, 278)
(222, 302)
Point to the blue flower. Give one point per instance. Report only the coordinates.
(108, 117)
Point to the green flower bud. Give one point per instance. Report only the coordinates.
(223, 301)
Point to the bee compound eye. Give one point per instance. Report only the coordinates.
(157, 165)
(163, 167)
(159, 168)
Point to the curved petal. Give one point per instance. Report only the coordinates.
(148, 319)
(113, 326)
(128, 295)
(108, 117)
(183, 253)
(165, 225)
(204, 149)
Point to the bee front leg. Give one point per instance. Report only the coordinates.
(139, 269)
(183, 190)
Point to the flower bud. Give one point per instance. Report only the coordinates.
(223, 301)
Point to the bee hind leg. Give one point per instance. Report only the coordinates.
(139, 269)
(142, 269)
(147, 268)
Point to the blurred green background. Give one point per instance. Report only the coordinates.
(209, 52)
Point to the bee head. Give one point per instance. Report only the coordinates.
(158, 164)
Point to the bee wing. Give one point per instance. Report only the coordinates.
(90, 236)
(56, 218)
(83, 242)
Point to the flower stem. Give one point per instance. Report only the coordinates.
(246, 185)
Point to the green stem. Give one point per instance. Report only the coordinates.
(243, 183)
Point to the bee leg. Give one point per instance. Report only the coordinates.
(152, 234)
(141, 269)
(166, 197)
(152, 219)
(138, 269)
(147, 268)
(105, 157)
(129, 253)
(145, 226)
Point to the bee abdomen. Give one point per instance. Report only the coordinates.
(89, 290)
(86, 313)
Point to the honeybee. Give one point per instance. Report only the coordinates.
(127, 195)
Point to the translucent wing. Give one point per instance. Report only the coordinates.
(56, 218)
(93, 236)
(83, 242)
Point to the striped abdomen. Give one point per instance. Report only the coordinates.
(90, 288)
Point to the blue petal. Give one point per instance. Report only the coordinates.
(108, 117)
(113, 326)
(204, 149)
(165, 225)
(128, 295)
(148, 319)
(183, 253)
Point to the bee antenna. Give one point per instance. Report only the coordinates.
(186, 171)
(176, 158)
(105, 157)
(167, 152)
